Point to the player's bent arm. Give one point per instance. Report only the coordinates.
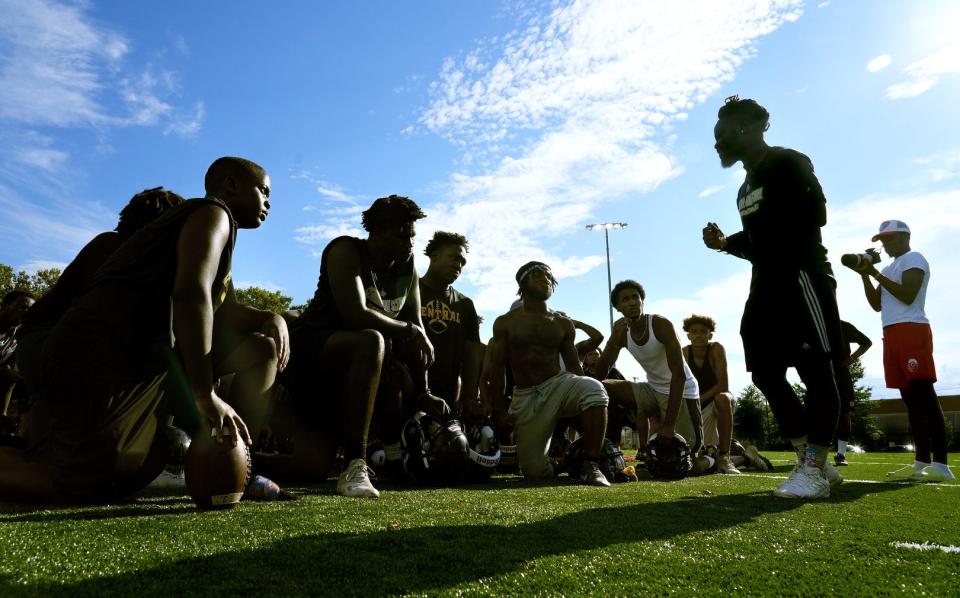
(585, 346)
(568, 351)
(199, 247)
(663, 330)
(473, 355)
(494, 375)
(907, 291)
(348, 294)
(738, 244)
(608, 357)
(718, 357)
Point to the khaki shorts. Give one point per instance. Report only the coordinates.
(651, 403)
(711, 435)
(536, 410)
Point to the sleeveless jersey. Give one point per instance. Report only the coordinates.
(386, 293)
(706, 377)
(652, 357)
(121, 326)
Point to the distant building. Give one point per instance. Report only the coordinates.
(891, 416)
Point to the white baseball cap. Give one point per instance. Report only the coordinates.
(890, 227)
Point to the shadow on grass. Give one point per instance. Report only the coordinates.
(149, 503)
(433, 558)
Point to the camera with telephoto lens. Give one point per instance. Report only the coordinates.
(855, 260)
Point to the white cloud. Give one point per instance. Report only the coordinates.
(322, 233)
(333, 192)
(923, 74)
(879, 63)
(573, 110)
(265, 285)
(59, 229)
(62, 68)
(41, 157)
(711, 190)
(33, 266)
(188, 127)
(941, 166)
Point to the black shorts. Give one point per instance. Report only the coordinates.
(316, 389)
(787, 315)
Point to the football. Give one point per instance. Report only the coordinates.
(216, 473)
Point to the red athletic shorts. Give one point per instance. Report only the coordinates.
(908, 354)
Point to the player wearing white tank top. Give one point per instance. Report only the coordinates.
(671, 391)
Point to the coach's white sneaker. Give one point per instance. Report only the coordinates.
(937, 472)
(804, 482)
(906, 473)
(355, 481)
(833, 476)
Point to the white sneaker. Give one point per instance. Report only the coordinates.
(833, 476)
(756, 460)
(906, 473)
(355, 481)
(725, 466)
(168, 479)
(804, 482)
(933, 473)
(590, 474)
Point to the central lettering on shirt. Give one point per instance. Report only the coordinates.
(438, 316)
(750, 202)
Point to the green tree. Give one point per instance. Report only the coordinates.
(748, 419)
(36, 284)
(274, 301)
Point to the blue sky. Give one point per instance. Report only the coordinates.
(514, 123)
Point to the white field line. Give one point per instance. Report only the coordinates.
(854, 463)
(926, 546)
(847, 480)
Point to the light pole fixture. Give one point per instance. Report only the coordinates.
(607, 227)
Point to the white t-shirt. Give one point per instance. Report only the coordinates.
(894, 311)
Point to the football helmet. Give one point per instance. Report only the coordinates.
(669, 461)
(611, 460)
(433, 450)
(484, 452)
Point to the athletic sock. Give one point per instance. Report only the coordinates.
(841, 447)
(392, 452)
(799, 447)
(815, 456)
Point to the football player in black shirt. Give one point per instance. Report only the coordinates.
(790, 318)
(452, 325)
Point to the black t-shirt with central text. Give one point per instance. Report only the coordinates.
(450, 320)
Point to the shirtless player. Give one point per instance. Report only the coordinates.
(531, 339)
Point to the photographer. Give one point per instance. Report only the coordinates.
(908, 346)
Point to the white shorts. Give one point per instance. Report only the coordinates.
(711, 435)
(537, 409)
(651, 403)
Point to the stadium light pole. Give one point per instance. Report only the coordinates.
(607, 227)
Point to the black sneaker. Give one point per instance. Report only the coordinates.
(840, 460)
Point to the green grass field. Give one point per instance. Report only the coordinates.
(709, 535)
